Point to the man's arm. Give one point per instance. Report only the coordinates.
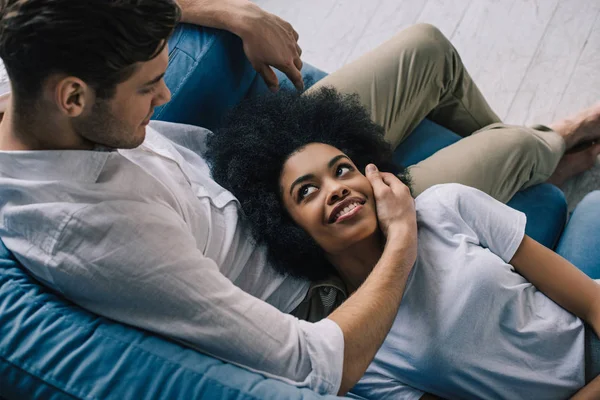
(269, 41)
(143, 268)
(367, 316)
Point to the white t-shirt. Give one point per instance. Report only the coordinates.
(469, 326)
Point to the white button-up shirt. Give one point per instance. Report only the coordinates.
(145, 237)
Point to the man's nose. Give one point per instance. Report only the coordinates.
(164, 95)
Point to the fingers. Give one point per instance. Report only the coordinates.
(374, 177)
(298, 64)
(269, 77)
(294, 74)
(394, 183)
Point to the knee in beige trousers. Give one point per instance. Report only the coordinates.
(418, 74)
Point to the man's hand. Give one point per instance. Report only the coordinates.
(269, 41)
(367, 316)
(395, 205)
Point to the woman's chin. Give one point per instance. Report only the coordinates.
(348, 236)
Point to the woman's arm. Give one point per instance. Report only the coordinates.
(560, 280)
(591, 391)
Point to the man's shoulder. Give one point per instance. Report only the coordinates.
(174, 128)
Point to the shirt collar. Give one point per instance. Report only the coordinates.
(49, 165)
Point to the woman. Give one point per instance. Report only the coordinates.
(471, 323)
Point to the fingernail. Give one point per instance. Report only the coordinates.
(371, 168)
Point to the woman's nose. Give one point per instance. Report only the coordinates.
(338, 193)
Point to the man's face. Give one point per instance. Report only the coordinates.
(121, 121)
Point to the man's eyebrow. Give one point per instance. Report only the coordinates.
(155, 80)
(300, 180)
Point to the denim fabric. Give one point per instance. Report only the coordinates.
(544, 205)
(208, 74)
(580, 243)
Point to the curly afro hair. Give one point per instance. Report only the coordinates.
(248, 153)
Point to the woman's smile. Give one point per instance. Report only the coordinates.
(346, 209)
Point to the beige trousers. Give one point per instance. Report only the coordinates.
(419, 74)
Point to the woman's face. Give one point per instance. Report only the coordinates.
(328, 197)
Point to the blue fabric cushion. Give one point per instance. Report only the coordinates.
(52, 349)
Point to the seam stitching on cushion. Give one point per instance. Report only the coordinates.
(45, 381)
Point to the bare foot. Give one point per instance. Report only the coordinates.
(580, 128)
(574, 163)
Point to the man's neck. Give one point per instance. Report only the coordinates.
(18, 134)
(355, 263)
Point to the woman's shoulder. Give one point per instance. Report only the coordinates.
(444, 195)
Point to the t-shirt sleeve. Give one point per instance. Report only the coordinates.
(139, 264)
(490, 223)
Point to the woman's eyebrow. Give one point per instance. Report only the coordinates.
(335, 159)
(300, 180)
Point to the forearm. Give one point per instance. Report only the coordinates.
(558, 279)
(230, 15)
(590, 391)
(367, 316)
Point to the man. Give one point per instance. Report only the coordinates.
(121, 216)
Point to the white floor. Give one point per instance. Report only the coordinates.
(534, 60)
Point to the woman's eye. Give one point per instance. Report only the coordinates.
(343, 170)
(305, 191)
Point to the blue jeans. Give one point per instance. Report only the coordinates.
(580, 244)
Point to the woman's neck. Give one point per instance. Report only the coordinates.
(356, 262)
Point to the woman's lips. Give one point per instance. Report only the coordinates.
(349, 214)
(341, 206)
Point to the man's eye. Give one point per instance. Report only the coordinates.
(343, 170)
(147, 90)
(305, 191)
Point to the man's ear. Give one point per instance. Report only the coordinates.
(73, 96)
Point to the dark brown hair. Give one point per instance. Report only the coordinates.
(98, 41)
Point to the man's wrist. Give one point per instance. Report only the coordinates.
(230, 15)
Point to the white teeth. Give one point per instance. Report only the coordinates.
(346, 210)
